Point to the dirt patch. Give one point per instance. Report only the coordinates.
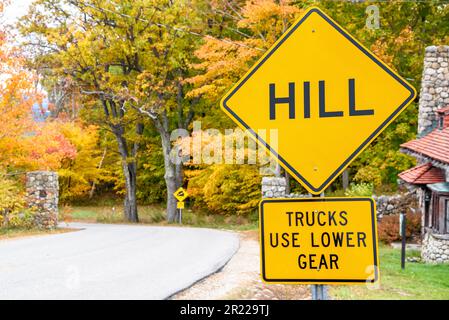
(240, 279)
(18, 233)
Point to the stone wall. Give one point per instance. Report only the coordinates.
(434, 88)
(395, 204)
(42, 188)
(273, 187)
(435, 248)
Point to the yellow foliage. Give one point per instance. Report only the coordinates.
(77, 174)
(13, 213)
(226, 189)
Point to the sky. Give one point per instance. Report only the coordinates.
(15, 10)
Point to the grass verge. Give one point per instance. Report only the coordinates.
(155, 215)
(418, 281)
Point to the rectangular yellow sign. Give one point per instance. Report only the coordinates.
(319, 241)
(180, 205)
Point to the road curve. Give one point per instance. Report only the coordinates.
(112, 262)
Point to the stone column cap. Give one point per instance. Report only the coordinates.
(437, 48)
(42, 172)
(274, 181)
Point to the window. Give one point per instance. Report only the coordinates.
(427, 208)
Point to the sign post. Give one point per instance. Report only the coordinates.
(319, 291)
(402, 227)
(180, 194)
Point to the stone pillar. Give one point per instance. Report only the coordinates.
(434, 87)
(42, 188)
(273, 187)
(435, 248)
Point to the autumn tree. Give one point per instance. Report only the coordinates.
(101, 47)
(131, 58)
(16, 85)
(24, 143)
(162, 92)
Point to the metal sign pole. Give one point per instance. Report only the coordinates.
(403, 236)
(319, 291)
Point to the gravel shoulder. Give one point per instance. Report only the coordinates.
(240, 279)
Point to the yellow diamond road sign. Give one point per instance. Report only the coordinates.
(327, 96)
(181, 194)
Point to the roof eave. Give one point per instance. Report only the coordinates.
(424, 158)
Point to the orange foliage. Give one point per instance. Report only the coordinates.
(404, 43)
(223, 62)
(25, 143)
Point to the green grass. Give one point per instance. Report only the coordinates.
(111, 214)
(155, 215)
(417, 281)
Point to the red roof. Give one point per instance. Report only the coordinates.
(434, 145)
(423, 174)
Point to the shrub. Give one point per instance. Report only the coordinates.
(23, 219)
(13, 213)
(10, 200)
(227, 189)
(360, 190)
(388, 228)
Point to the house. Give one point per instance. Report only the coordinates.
(430, 178)
(432, 154)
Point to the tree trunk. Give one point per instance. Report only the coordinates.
(129, 169)
(287, 181)
(172, 212)
(114, 112)
(179, 174)
(345, 178)
(170, 178)
(130, 202)
(174, 174)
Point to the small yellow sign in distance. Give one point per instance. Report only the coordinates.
(319, 241)
(327, 96)
(181, 194)
(180, 205)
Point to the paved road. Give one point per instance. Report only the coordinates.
(111, 262)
